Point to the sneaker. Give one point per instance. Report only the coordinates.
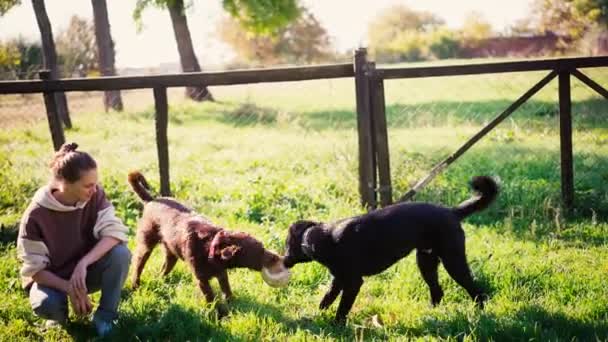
(51, 323)
(102, 327)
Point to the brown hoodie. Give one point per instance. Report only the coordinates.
(55, 237)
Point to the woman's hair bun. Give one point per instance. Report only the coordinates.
(69, 147)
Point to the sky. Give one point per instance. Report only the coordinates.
(345, 20)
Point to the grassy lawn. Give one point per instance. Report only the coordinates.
(264, 156)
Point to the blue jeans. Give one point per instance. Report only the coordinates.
(107, 274)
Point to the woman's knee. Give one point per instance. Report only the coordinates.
(49, 304)
(119, 256)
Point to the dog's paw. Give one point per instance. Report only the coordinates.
(339, 321)
(222, 311)
(481, 299)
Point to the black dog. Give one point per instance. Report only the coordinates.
(368, 244)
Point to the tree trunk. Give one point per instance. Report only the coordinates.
(105, 52)
(186, 51)
(49, 55)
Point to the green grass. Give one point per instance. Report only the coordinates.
(266, 155)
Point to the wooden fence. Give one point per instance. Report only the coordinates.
(374, 165)
(378, 182)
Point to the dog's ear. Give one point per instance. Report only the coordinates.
(300, 226)
(216, 244)
(203, 234)
(229, 252)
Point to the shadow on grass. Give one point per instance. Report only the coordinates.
(8, 235)
(529, 323)
(174, 324)
(534, 114)
(321, 323)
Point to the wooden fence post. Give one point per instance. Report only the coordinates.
(380, 137)
(51, 113)
(565, 127)
(366, 154)
(162, 144)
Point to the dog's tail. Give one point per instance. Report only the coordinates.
(140, 186)
(488, 190)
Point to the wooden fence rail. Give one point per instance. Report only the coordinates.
(179, 80)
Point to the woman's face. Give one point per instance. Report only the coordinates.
(83, 189)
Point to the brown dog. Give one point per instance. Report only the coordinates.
(208, 249)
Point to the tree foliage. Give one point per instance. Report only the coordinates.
(399, 33)
(9, 60)
(262, 16)
(523, 27)
(304, 41)
(476, 28)
(19, 59)
(258, 16)
(444, 43)
(395, 20)
(76, 47)
(570, 18)
(6, 5)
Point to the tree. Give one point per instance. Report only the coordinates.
(187, 57)
(76, 49)
(49, 54)
(523, 27)
(570, 18)
(400, 33)
(262, 16)
(9, 56)
(304, 40)
(30, 58)
(255, 15)
(443, 43)
(105, 52)
(475, 27)
(9, 61)
(393, 21)
(6, 5)
(20, 59)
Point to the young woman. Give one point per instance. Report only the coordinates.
(72, 244)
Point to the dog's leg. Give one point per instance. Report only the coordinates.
(203, 284)
(141, 257)
(349, 294)
(222, 278)
(205, 287)
(147, 239)
(455, 262)
(331, 295)
(170, 260)
(427, 263)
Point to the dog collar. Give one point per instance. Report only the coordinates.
(307, 247)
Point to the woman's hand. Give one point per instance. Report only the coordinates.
(78, 290)
(78, 281)
(80, 302)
